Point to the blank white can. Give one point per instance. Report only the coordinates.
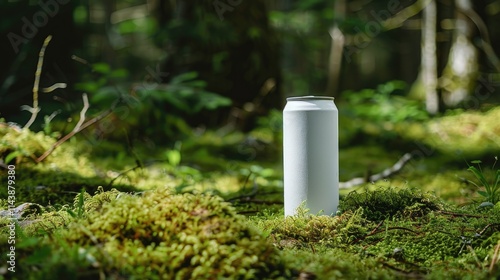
(310, 154)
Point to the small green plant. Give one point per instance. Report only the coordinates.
(491, 191)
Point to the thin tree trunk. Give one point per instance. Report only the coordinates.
(337, 47)
(429, 59)
(461, 71)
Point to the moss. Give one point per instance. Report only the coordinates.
(57, 179)
(469, 134)
(164, 235)
(334, 263)
(386, 203)
(395, 233)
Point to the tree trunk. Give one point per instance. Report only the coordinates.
(429, 60)
(461, 71)
(336, 50)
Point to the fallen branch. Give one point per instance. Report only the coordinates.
(373, 178)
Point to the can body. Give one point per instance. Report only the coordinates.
(310, 154)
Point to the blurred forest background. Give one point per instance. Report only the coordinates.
(179, 64)
(186, 96)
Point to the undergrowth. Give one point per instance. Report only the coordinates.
(390, 234)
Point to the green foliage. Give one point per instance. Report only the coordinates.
(186, 93)
(384, 104)
(491, 190)
(157, 110)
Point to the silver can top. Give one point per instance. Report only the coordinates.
(309, 97)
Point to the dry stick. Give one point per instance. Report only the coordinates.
(54, 87)
(384, 174)
(82, 112)
(73, 132)
(34, 110)
(494, 259)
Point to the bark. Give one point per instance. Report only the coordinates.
(460, 74)
(337, 46)
(429, 59)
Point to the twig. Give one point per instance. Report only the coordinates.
(377, 231)
(369, 234)
(123, 173)
(34, 110)
(54, 87)
(494, 259)
(312, 248)
(248, 196)
(138, 163)
(82, 112)
(384, 174)
(73, 132)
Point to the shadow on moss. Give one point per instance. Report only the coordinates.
(54, 187)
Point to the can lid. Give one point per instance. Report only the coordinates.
(309, 97)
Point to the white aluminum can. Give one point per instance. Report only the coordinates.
(310, 154)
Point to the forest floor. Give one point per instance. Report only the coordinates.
(211, 206)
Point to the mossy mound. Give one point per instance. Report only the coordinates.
(161, 235)
(468, 134)
(390, 234)
(386, 203)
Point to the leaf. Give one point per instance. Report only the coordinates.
(497, 180)
(119, 73)
(486, 204)
(483, 193)
(101, 67)
(12, 155)
(184, 77)
(479, 176)
(476, 161)
(173, 157)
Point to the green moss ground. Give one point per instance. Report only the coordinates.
(217, 212)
